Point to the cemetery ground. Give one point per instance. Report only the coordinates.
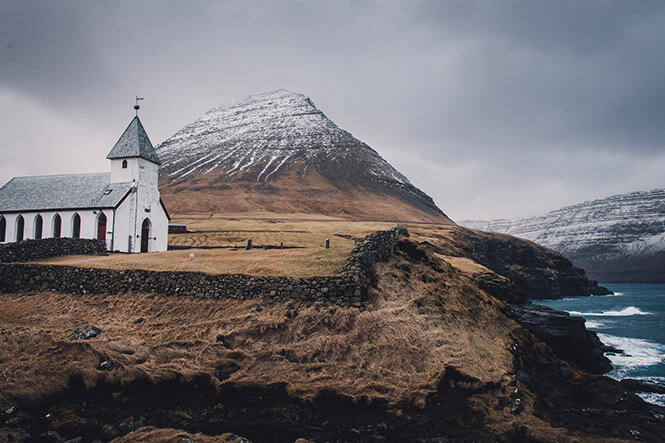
(219, 244)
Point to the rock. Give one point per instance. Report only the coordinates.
(535, 272)
(85, 332)
(29, 250)
(110, 431)
(643, 386)
(106, 364)
(129, 425)
(225, 370)
(566, 335)
(50, 436)
(19, 435)
(516, 406)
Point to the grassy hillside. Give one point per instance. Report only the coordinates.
(432, 356)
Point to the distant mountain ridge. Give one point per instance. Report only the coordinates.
(276, 151)
(616, 239)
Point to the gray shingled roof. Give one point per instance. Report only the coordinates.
(73, 191)
(134, 142)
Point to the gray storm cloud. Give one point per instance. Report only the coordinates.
(495, 108)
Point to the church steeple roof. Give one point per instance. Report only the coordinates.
(134, 142)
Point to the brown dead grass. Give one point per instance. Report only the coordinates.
(305, 233)
(299, 263)
(423, 319)
(302, 190)
(465, 265)
(150, 433)
(396, 350)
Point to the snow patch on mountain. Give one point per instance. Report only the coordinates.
(260, 134)
(626, 224)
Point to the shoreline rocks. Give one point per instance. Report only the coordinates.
(566, 334)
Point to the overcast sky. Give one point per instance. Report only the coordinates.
(494, 108)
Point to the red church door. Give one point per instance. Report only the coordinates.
(101, 227)
(145, 235)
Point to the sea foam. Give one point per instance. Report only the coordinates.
(636, 352)
(625, 312)
(595, 324)
(653, 398)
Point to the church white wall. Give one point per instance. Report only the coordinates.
(142, 203)
(125, 175)
(124, 225)
(148, 174)
(89, 219)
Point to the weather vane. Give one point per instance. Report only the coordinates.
(136, 106)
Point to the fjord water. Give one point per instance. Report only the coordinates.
(633, 320)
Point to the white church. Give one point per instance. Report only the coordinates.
(122, 208)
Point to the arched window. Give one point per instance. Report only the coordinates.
(101, 226)
(76, 226)
(39, 225)
(20, 226)
(57, 226)
(3, 228)
(124, 164)
(145, 235)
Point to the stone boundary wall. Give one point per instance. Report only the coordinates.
(349, 289)
(374, 248)
(29, 250)
(73, 280)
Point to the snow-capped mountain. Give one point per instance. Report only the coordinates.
(618, 238)
(276, 151)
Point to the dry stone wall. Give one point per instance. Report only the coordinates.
(29, 250)
(349, 289)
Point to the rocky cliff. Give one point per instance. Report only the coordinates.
(535, 272)
(616, 239)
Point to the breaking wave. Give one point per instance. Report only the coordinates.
(625, 312)
(636, 352)
(595, 324)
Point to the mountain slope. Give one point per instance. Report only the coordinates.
(277, 152)
(618, 238)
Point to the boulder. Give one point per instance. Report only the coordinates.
(85, 332)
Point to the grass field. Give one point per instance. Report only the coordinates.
(302, 236)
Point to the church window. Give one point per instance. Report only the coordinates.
(3, 228)
(124, 164)
(39, 225)
(76, 226)
(20, 226)
(101, 226)
(57, 226)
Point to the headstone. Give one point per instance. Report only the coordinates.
(191, 256)
(327, 243)
(249, 244)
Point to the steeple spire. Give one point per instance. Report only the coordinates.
(134, 142)
(136, 106)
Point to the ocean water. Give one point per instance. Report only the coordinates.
(633, 320)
